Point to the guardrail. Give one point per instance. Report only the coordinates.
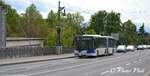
(17, 52)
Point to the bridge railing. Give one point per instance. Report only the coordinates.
(16, 52)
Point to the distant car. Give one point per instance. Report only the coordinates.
(145, 46)
(121, 48)
(148, 46)
(140, 47)
(130, 48)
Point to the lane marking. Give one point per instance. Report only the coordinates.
(14, 75)
(105, 72)
(128, 64)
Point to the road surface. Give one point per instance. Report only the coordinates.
(120, 64)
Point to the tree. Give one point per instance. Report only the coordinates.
(97, 22)
(74, 20)
(13, 21)
(51, 37)
(141, 29)
(1, 3)
(91, 31)
(113, 23)
(129, 26)
(52, 19)
(68, 34)
(143, 36)
(105, 23)
(33, 22)
(128, 34)
(71, 26)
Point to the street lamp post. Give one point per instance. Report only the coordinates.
(58, 27)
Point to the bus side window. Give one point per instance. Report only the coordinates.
(111, 43)
(103, 42)
(96, 43)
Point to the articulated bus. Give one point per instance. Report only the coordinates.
(94, 45)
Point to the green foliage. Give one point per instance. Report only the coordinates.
(105, 23)
(128, 26)
(143, 37)
(51, 37)
(52, 19)
(97, 21)
(70, 27)
(68, 34)
(1, 3)
(112, 23)
(34, 24)
(128, 34)
(13, 21)
(74, 20)
(90, 31)
(141, 29)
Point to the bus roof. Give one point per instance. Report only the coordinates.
(100, 36)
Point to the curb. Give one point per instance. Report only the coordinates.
(5, 64)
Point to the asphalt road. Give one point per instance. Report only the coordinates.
(120, 64)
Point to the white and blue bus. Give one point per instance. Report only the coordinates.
(94, 45)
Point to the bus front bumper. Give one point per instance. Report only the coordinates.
(91, 54)
(82, 53)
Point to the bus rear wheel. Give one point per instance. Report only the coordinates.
(97, 53)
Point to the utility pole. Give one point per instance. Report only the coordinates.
(58, 27)
(2, 27)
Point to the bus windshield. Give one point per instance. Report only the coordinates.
(84, 44)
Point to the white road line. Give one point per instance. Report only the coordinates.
(128, 64)
(14, 75)
(104, 72)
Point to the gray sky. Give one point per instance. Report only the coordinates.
(136, 10)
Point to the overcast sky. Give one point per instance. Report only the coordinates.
(136, 10)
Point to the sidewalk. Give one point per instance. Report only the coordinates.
(33, 59)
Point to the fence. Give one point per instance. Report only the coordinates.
(31, 51)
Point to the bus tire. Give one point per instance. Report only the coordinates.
(97, 53)
(106, 52)
(125, 51)
(79, 57)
